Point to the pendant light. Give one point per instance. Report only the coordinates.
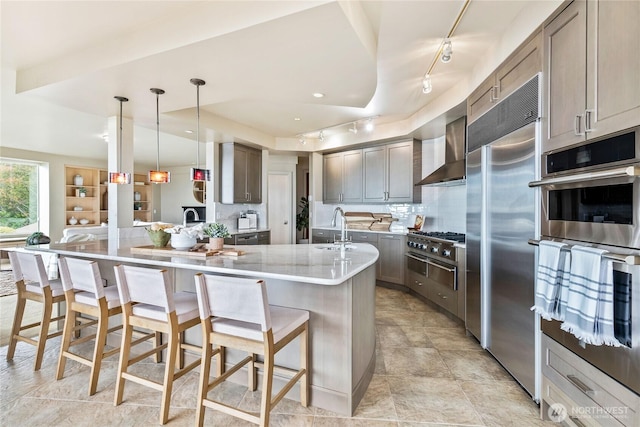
(120, 177)
(198, 174)
(157, 176)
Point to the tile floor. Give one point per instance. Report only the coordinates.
(428, 373)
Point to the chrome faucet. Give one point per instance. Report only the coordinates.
(343, 228)
(196, 217)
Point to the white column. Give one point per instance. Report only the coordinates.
(211, 160)
(120, 196)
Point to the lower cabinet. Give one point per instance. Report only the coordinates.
(578, 394)
(251, 238)
(391, 262)
(391, 247)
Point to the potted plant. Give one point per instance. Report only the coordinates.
(82, 191)
(217, 233)
(302, 218)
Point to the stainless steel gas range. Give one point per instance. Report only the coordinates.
(433, 262)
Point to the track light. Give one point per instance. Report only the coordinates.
(353, 129)
(447, 51)
(369, 126)
(302, 141)
(427, 87)
(321, 136)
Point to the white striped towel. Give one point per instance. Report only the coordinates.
(552, 280)
(589, 311)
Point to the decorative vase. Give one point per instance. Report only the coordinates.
(137, 196)
(215, 243)
(78, 180)
(73, 220)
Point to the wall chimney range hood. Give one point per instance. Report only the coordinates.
(454, 168)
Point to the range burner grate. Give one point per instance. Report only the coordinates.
(444, 235)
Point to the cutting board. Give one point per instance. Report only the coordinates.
(201, 252)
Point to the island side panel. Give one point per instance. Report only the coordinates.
(363, 333)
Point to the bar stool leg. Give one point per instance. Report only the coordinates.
(17, 323)
(123, 364)
(44, 331)
(203, 387)
(267, 383)
(173, 347)
(304, 363)
(98, 351)
(69, 322)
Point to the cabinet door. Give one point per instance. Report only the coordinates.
(374, 161)
(352, 176)
(565, 82)
(482, 99)
(391, 263)
(240, 161)
(520, 67)
(322, 236)
(254, 176)
(613, 68)
(332, 178)
(400, 173)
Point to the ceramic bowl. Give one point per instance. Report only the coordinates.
(84, 221)
(182, 242)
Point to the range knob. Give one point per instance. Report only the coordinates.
(422, 246)
(434, 249)
(446, 253)
(410, 244)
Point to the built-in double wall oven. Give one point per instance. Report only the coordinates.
(591, 196)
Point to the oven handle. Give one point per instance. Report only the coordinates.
(589, 176)
(417, 258)
(450, 270)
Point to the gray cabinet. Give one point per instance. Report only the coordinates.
(240, 174)
(391, 263)
(250, 238)
(391, 171)
(319, 235)
(342, 177)
(591, 63)
(517, 69)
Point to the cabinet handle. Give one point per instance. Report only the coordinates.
(493, 95)
(577, 421)
(580, 385)
(576, 125)
(587, 121)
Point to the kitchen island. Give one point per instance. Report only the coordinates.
(336, 287)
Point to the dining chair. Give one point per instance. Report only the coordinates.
(148, 302)
(235, 313)
(33, 284)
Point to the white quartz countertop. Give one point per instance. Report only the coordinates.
(305, 263)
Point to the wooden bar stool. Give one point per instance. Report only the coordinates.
(85, 294)
(235, 313)
(28, 267)
(148, 302)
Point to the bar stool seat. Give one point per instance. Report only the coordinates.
(33, 284)
(235, 313)
(184, 304)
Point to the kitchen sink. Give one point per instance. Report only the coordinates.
(335, 247)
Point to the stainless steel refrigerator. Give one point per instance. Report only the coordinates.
(501, 218)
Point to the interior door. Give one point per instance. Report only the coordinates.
(280, 211)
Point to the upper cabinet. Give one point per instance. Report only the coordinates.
(516, 70)
(592, 64)
(391, 171)
(342, 177)
(240, 174)
(379, 174)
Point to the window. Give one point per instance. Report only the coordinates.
(19, 214)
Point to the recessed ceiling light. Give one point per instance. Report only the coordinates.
(188, 131)
(297, 119)
(318, 95)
